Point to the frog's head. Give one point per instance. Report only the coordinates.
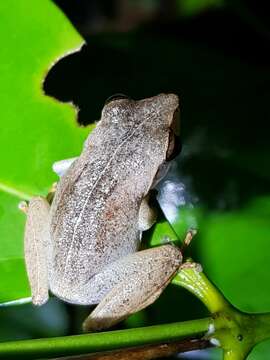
(163, 109)
(160, 111)
(165, 112)
(157, 116)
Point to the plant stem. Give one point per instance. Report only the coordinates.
(236, 332)
(197, 283)
(146, 352)
(81, 344)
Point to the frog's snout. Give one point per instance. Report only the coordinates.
(170, 101)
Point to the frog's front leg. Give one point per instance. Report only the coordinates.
(147, 215)
(135, 282)
(36, 242)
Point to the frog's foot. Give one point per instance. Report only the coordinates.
(138, 280)
(191, 265)
(61, 167)
(35, 247)
(147, 215)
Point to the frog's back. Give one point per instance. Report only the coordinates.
(94, 215)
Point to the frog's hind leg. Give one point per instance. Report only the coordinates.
(36, 241)
(135, 282)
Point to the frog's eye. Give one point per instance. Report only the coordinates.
(116, 97)
(175, 125)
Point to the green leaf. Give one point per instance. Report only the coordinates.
(260, 351)
(234, 251)
(36, 129)
(162, 233)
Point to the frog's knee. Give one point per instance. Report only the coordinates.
(147, 215)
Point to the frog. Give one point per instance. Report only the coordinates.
(85, 246)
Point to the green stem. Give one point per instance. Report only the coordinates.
(235, 331)
(81, 344)
(197, 283)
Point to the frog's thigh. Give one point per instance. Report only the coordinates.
(35, 247)
(147, 215)
(138, 280)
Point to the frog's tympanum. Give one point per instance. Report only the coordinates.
(84, 248)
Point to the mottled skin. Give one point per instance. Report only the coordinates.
(94, 225)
